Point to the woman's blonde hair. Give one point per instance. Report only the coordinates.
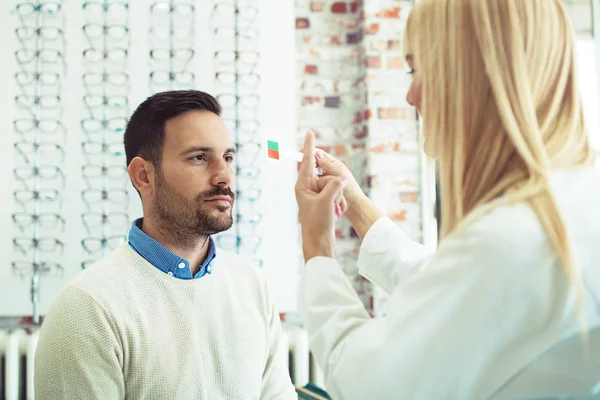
(501, 107)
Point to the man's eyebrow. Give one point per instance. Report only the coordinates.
(196, 149)
(203, 149)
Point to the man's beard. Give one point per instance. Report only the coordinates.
(182, 222)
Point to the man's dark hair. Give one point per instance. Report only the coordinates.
(145, 133)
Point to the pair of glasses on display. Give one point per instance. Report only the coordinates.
(247, 173)
(25, 244)
(44, 150)
(251, 79)
(182, 9)
(231, 57)
(116, 173)
(246, 129)
(114, 220)
(247, 223)
(94, 55)
(27, 9)
(48, 125)
(45, 56)
(184, 54)
(43, 125)
(242, 62)
(177, 33)
(96, 244)
(27, 33)
(46, 220)
(112, 102)
(45, 101)
(44, 197)
(166, 77)
(25, 269)
(94, 126)
(245, 105)
(46, 79)
(96, 79)
(104, 9)
(115, 32)
(43, 172)
(93, 197)
(245, 13)
(248, 195)
(178, 15)
(97, 149)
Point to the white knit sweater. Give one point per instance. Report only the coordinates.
(124, 329)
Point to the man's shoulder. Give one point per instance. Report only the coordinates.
(102, 279)
(106, 265)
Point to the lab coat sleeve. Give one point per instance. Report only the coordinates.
(443, 327)
(387, 256)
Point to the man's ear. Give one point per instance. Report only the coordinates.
(141, 173)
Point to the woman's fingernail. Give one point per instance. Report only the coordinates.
(338, 211)
(318, 154)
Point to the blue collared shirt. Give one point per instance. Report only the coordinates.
(163, 258)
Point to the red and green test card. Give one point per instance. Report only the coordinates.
(274, 154)
(273, 149)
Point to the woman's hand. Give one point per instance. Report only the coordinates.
(317, 205)
(360, 210)
(332, 167)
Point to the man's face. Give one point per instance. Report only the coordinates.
(193, 194)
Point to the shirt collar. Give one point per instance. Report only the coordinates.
(163, 258)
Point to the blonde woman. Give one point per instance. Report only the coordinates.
(509, 305)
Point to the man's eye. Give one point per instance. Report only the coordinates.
(199, 157)
(229, 159)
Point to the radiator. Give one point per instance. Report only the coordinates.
(302, 365)
(17, 349)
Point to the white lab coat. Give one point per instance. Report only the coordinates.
(488, 316)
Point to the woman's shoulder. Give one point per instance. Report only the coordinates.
(516, 230)
(510, 232)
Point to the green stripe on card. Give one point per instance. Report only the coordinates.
(272, 145)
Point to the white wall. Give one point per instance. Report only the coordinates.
(590, 87)
(279, 247)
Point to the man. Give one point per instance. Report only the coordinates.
(167, 315)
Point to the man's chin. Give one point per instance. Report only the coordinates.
(222, 227)
(223, 219)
